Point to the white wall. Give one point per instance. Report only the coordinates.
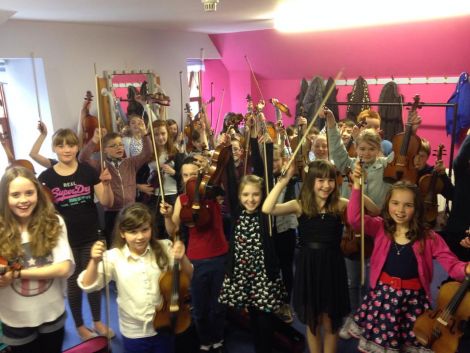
(69, 52)
(22, 106)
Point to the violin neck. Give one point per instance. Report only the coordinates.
(458, 296)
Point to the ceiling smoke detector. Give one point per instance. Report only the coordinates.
(210, 5)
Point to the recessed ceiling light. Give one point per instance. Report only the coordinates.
(309, 15)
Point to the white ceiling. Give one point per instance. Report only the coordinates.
(184, 15)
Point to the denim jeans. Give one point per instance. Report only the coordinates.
(208, 313)
(160, 343)
(356, 291)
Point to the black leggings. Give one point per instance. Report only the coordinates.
(262, 327)
(45, 343)
(82, 256)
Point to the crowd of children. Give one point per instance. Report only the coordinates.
(260, 238)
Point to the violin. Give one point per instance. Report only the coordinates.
(89, 122)
(440, 329)
(175, 311)
(11, 158)
(406, 145)
(281, 106)
(6, 265)
(194, 210)
(188, 128)
(430, 185)
(157, 98)
(282, 138)
(301, 159)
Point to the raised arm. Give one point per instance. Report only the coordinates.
(103, 190)
(270, 205)
(34, 153)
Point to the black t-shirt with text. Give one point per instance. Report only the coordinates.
(74, 200)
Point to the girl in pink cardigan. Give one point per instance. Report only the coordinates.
(401, 270)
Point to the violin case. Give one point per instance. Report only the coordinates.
(98, 344)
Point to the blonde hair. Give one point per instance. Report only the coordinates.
(44, 227)
(133, 217)
(425, 146)
(370, 136)
(252, 180)
(319, 168)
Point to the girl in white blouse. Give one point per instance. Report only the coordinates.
(135, 263)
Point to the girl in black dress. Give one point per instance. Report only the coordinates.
(320, 295)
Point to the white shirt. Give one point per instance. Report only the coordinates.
(169, 182)
(137, 284)
(30, 303)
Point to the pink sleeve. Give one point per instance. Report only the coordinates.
(372, 225)
(448, 260)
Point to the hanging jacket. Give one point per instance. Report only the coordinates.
(461, 96)
(391, 116)
(359, 94)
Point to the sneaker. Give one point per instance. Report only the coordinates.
(285, 314)
(344, 331)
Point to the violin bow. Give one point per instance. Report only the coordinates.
(220, 110)
(265, 158)
(36, 89)
(312, 122)
(212, 86)
(98, 112)
(181, 99)
(363, 261)
(155, 153)
(106, 289)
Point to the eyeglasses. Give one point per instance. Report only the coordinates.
(116, 145)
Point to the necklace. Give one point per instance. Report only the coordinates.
(399, 249)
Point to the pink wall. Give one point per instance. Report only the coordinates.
(280, 61)
(217, 74)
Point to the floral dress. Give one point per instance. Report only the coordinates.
(249, 285)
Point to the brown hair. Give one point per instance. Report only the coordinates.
(169, 145)
(319, 168)
(66, 136)
(416, 230)
(44, 226)
(109, 137)
(349, 123)
(133, 217)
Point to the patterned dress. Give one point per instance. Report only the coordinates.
(249, 285)
(384, 321)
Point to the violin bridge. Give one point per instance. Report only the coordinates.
(442, 322)
(174, 308)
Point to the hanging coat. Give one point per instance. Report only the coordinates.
(391, 116)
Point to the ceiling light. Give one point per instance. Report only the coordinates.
(308, 15)
(210, 5)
